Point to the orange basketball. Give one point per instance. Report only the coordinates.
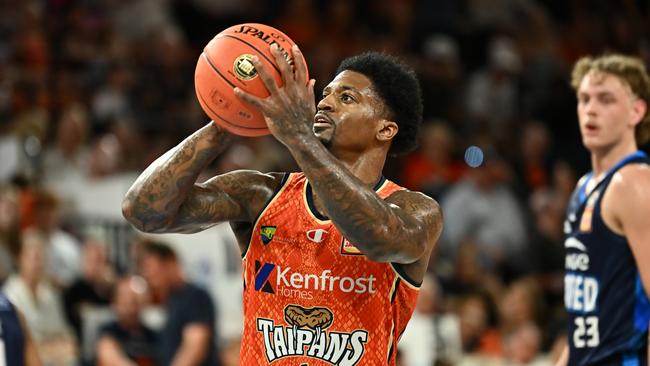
(226, 63)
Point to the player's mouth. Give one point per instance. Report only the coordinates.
(591, 128)
(322, 121)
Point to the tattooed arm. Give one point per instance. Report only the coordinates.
(400, 229)
(166, 197)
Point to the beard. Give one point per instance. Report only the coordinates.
(326, 137)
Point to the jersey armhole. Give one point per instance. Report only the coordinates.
(276, 191)
(402, 274)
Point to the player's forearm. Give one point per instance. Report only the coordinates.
(363, 217)
(154, 199)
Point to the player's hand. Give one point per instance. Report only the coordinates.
(288, 110)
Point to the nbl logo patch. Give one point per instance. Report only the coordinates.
(266, 233)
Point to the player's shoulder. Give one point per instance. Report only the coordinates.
(631, 183)
(632, 175)
(628, 194)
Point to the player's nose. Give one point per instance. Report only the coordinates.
(325, 104)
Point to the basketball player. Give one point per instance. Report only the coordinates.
(16, 345)
(607, 278)
(333, 256)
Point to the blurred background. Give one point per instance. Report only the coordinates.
(92, 91)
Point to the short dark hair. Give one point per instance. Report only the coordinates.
(399, 88)
(159, 250)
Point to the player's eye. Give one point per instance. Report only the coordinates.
(346, 98)
(607, 99)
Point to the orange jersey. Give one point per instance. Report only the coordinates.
(311, 297)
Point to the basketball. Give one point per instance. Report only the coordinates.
(226, 63)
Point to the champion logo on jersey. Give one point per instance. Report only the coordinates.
(348, 249)
(317, 235)
(267, 232)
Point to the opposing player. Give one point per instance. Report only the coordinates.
(607, 229)
(333, 256)
(16, 345)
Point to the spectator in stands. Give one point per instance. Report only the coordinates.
(93, 288)
(63, 250)
(127, 341)
(521, 303)
(484, 209)
(230, 354)
(432, 335)
(522, 344)
(492, 97)
(40, 303)
(480, 339)
(188, 336)
(432, 169)
(65, 162)
(9, 230)
(532, 166)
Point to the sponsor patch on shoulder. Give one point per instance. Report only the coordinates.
(349, 249)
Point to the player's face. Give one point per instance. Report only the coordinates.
(347, 115)
(606, 111)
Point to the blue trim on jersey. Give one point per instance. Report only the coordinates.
(630, 359)
(641, 307)
(582, 194)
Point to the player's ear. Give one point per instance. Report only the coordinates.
(387, 130)
(639, 108)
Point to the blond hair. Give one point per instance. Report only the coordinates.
(629, 69)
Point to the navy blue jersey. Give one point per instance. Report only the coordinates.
(11, 334)
(607, 306)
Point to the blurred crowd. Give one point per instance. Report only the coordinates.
(94, 89)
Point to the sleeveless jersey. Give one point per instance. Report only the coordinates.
(311, 297)
(607, 306)
(12, 340)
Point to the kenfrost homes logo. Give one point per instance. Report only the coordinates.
(266, 233)
(306, 334)
(316, 235)
(274, 279)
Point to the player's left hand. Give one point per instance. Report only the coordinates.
(288, 110)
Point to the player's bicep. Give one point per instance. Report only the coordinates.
(205, 208)
(232, 196)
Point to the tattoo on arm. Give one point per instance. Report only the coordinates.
(235, 196)
(398, 229)
(153, 201)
